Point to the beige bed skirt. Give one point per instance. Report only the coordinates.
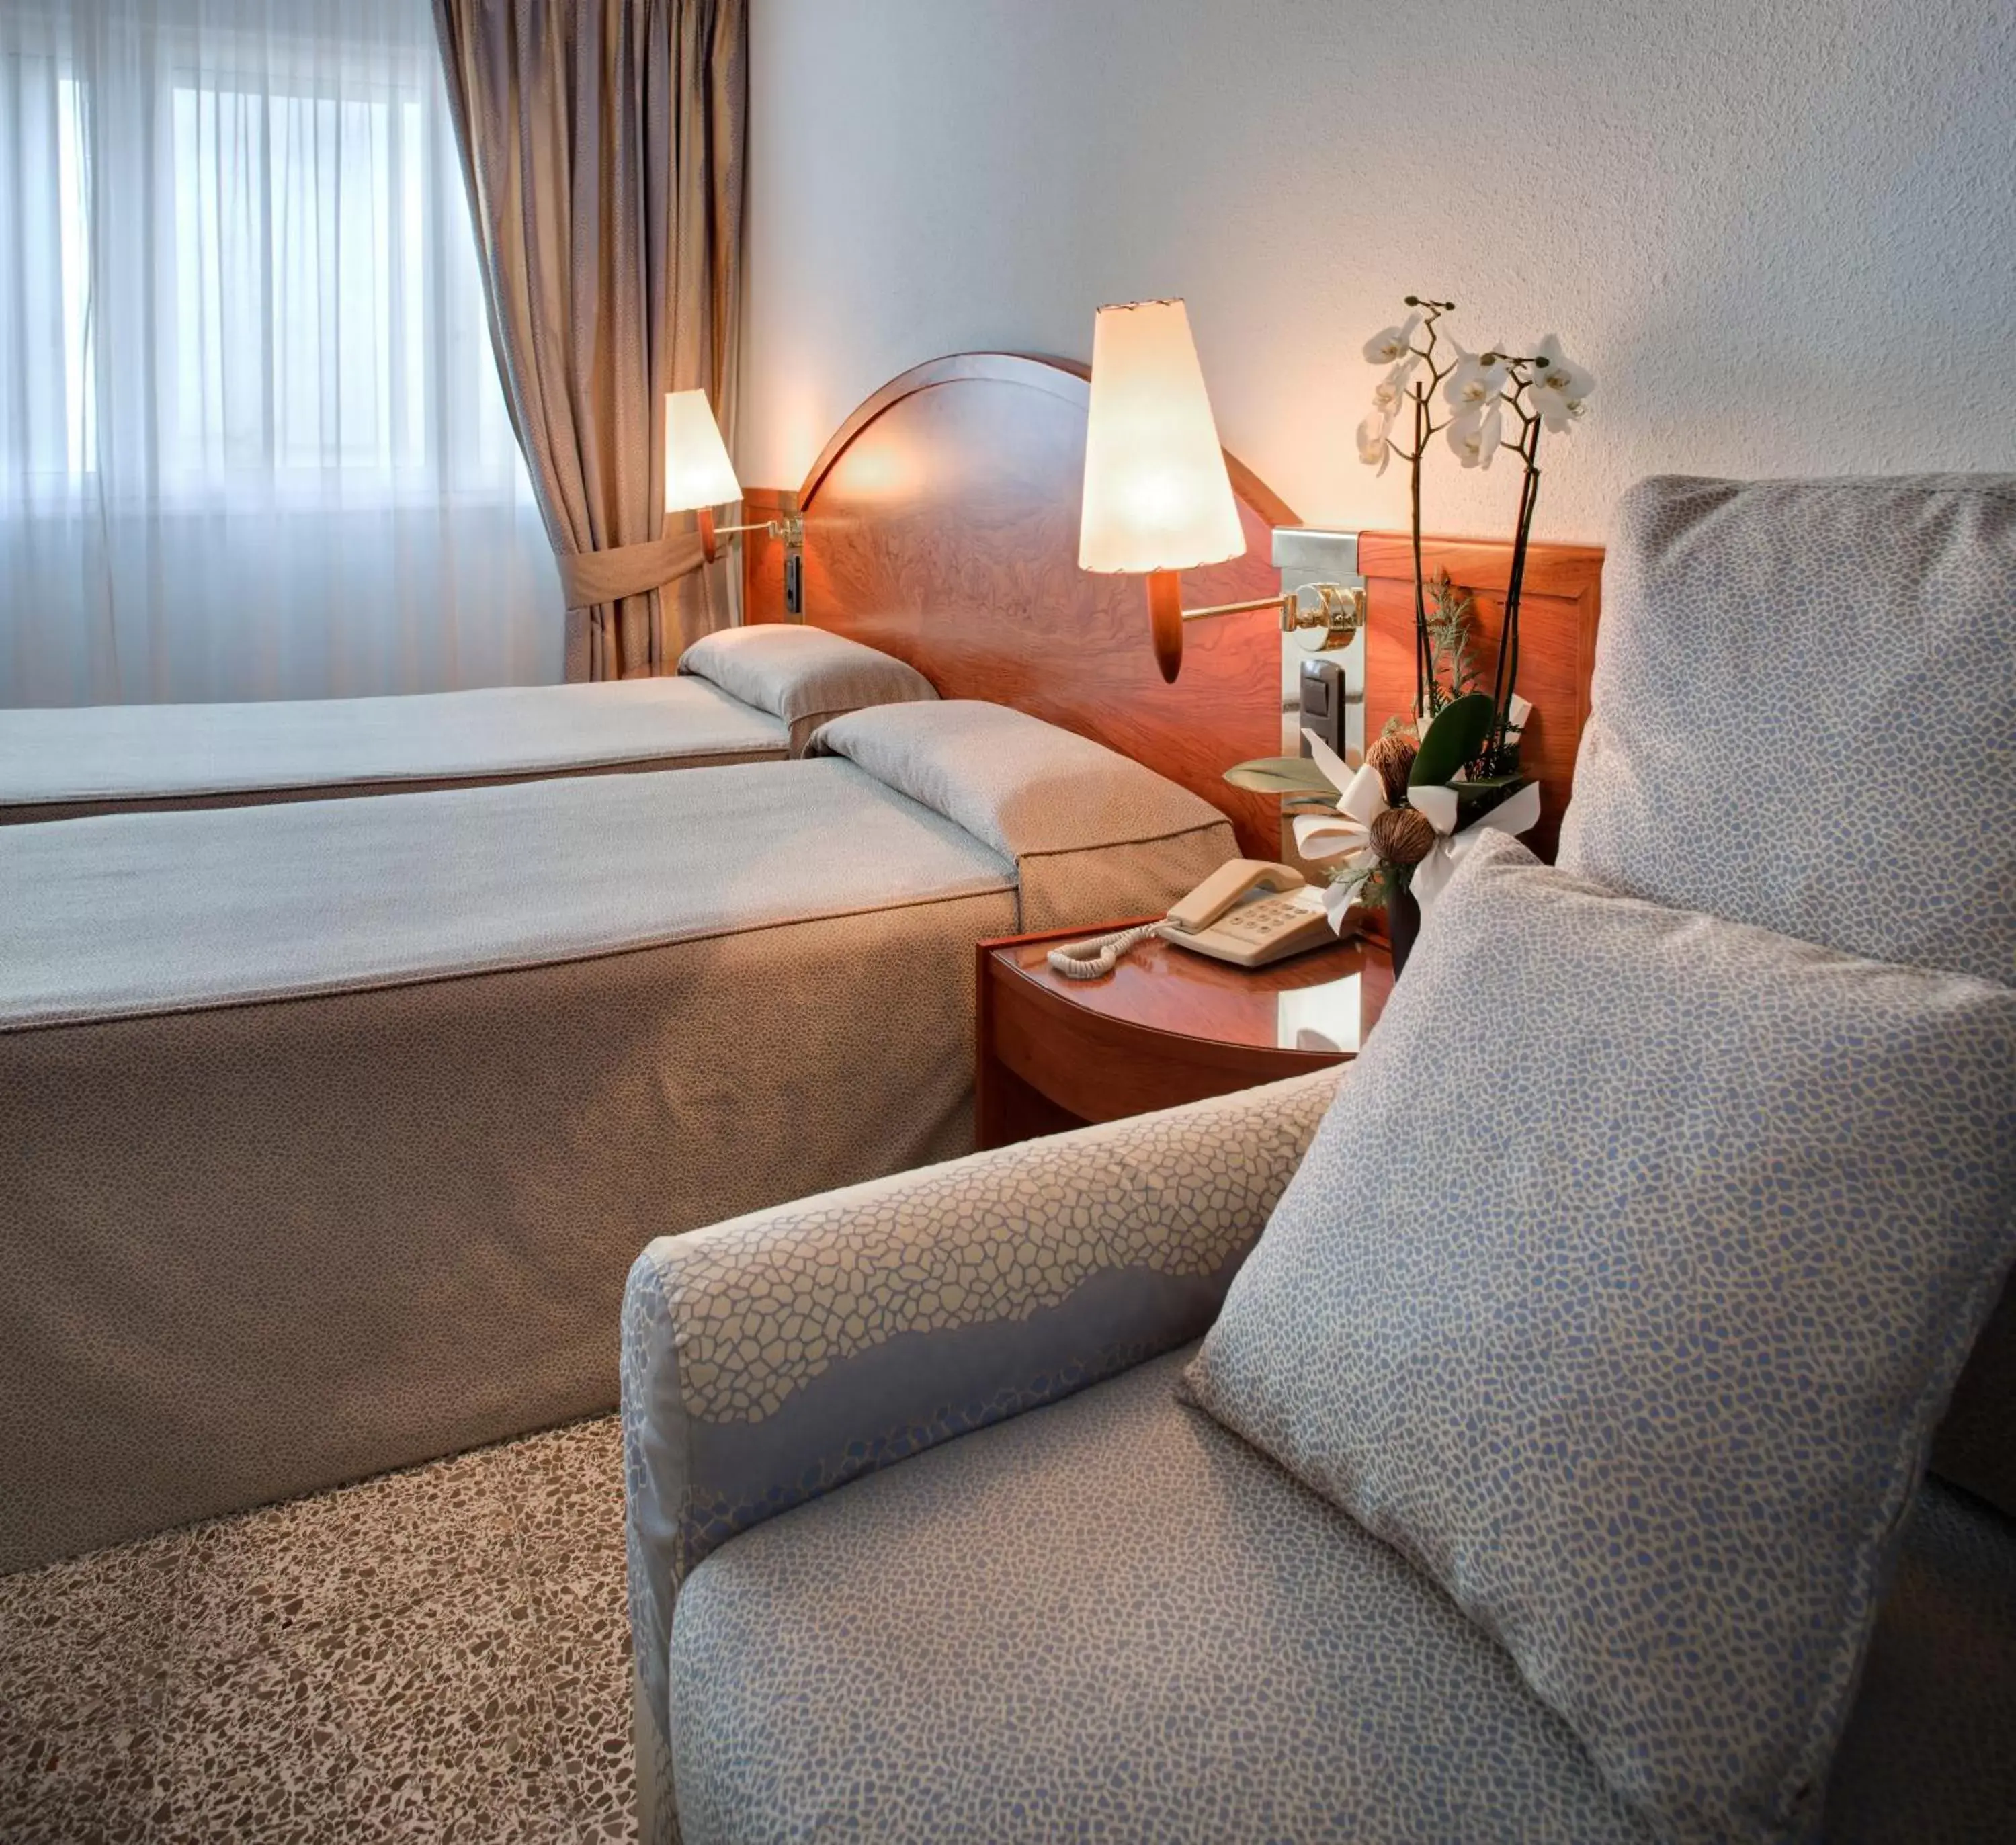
(251, 1251)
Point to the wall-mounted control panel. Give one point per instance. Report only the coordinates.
(1334, 680)
(1322, 706)
(1324, 692)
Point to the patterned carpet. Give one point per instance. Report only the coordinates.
(440, 1654)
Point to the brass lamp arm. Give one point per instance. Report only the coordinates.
(789, 527)
(1339, 616)
(1342, 614)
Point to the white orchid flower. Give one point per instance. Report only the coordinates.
(1392, 344)
(1475, 433)
(1391, 392)
(1374, 449)
(1561, 387)
(1474, 382)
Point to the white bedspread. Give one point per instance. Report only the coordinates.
(130, 915)
(99, 755)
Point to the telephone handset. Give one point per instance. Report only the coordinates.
(1249, 912)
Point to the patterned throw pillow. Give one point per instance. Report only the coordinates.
(1621, 1289)
(1804, 697)
(1837, 656)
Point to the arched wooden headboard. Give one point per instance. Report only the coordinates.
(941, 527)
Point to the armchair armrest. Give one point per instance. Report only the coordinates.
(769, 1359)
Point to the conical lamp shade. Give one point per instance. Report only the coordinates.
(697, 470)
(1157, 495)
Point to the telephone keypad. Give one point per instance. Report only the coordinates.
(1254, 922)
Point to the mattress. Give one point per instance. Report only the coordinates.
(329, 1129)
(66, 764)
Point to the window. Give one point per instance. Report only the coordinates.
(244, 351)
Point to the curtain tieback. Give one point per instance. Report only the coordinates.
(588, 578)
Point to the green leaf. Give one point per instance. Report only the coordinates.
(1282, 775)
(1455, 735)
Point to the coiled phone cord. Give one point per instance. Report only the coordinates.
(1073, 962)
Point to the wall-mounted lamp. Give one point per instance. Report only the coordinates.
(1158, 498)
(699, 476)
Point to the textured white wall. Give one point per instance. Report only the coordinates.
(1782, 232)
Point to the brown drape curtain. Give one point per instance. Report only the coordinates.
(602, 141)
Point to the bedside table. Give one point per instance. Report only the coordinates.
(1166, 1027)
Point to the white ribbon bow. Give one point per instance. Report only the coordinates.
(1361, 800)
(1515, 815)
(1345, 836)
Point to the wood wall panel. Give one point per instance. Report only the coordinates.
(762, 555)
(941, 527)
(1557, 623)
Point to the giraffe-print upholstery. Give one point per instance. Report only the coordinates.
(1643, 1370)
(771, 1358)
(1804, 717)
(1109, 1619)
(1803, 710)
(1113, 1619)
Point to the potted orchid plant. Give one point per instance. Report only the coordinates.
(1392, 828)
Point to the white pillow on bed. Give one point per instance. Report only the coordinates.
(804, 675)
(1094, 836)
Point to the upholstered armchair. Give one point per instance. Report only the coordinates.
(1078, 1600)
(1080, 1606)
(770, 1359)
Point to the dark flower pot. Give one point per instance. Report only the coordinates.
(1403, 923)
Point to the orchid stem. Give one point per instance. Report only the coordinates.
(1420, 597)
(1508, 652)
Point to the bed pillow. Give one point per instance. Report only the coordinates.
(1094, 836)
(1621, 1289)
(804, 675)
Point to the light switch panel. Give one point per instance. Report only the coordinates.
(1304, 554)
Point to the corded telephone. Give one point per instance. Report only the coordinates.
(1249, 912)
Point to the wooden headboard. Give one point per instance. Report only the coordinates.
(941, 527)
(1557, 619)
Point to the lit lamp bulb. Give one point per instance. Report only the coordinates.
(1158, 498)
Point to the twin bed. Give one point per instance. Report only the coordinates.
(329, 1127)
(749, 695)
(330, 1130)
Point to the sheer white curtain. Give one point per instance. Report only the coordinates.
(252, 440)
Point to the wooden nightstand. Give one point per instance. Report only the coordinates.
(1166, 1027)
